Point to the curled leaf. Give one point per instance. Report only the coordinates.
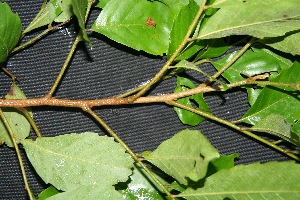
(185, 116)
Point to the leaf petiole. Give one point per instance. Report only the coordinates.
(10, 131)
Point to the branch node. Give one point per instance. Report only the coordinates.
(85, 107)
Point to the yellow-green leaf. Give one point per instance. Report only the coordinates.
(73, 160)
(17, 121)
(185, 156)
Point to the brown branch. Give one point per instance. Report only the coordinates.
(44, 101)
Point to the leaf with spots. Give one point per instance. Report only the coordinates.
(74, 160)
(137, 24)
(185, 156)
(17, 121)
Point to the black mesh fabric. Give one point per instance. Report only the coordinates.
(107, 69)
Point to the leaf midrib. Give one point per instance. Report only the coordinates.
(256, 113)
(69, 157)
(242, 192)
(246, 25)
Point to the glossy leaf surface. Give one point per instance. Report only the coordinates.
(272, 100)
(185, 116)
(73, 160)
(10, 30)
(253, 62)
(141, 186)
(237, 17)
(296, 128)
(136, 23)
(185, 156)
(273, 180)
(191, 50)
(181, 25)
(17, 121)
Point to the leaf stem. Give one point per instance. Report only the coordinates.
(174, 55)
(70, 55)
(229, 124)
(64, 68)
(11, 75)
(31, 121)
(10, 131)
(33, 40)
(235, 58)
(118, 139)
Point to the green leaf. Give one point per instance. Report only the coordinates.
(185, 156)
(141, 193)
(17, 121)
(214, 48)
(296, 128)
(67, 11)
(252, 62)
(272, 100)
(89, 192)
(10, 31)
(102, 3)
(185, 116)
(275, 124)
(142, 25)
(177, 187)
(47, 14)
(75, 160)
(79, 9)
(286, 43)
(50, 191)
(253, 94)
(191, 49)
(223, 162)
(141, 186)
(181, 25)
(273, 180)
(237, 17)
